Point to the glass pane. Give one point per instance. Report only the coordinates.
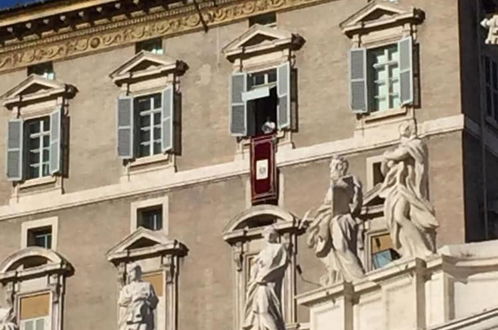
(152, 219)
(33, 158)
(272, 76)
(157, 148)
(40, 324)
(142, 104)
(33, 127)
(144, 136)
(46, 141)
(157, 133)
(157, 101)
(46, 155)
(34, 143)
(46, 170)
(33, 172)
(144, 150)
(46, 124)
(144, 121)
(157, 118)
(28, 325)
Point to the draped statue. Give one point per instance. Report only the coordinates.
(409, 215)
(8, 317)
(263, 308)
(137, 302)
(333, 233)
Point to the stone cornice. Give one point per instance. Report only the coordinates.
(128, 31)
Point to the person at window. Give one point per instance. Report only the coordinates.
(268, 126)
(263, 309)
(137, 302)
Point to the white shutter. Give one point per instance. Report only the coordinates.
(125, 127)
(15, 150)
(283, 94)
(238, 107)
(55, 141)
(168, 103)
(405, 49)
(358, 80)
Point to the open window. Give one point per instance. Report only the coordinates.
(262, 88)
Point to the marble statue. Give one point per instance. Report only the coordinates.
(8, 317)
(409, 215)
(333, 233)
(137, 302)
(263, 308)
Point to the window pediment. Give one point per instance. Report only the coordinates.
(35, 88)
(145, 65)
(260, 38)
(376, 16)
(144, 242)
(32, 262)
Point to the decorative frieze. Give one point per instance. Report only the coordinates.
(137, 29)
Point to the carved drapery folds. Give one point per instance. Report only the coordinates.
(46, 271)
(158, 257)
(244, 233)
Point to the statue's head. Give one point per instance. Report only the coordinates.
(270, 234)
(407, 129)
(338, 167)
(135, 273)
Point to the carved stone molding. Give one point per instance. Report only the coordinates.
(132, 30)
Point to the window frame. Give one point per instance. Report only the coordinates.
(33, 225)
(27, 138)
(46, 67)
(137, 142)
(136, 206)
(141, 46)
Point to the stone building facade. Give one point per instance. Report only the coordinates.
(129, 126)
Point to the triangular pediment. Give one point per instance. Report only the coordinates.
(146, 63)
(34, 84)
(379, 13)
(144, 242)
(259, 37)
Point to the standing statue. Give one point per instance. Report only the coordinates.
(263, 308)
(333, 233)
(8, 317)
(137, 302)
(409, 215)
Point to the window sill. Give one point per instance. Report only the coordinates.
(38, 182)
(385, 114)
(149, 160)
(284, 142)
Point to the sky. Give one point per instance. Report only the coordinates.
(11, 3)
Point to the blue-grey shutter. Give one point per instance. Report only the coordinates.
(283, 94)
(238, 107)
(405, 49)
(167, 119)
(358, 80)
(14, 150)
(55, 141)
(125, 127)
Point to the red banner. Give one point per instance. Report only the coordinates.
(264, 185)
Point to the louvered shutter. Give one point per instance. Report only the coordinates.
(238, 107)
(125, 127)
(14, 150)
(167, 119)
(405, 48)
(283, 94)
(55, 141)
(358, 80)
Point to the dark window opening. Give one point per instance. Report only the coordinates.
(262, 112)
(269, 19)
(45, 70)
(378, 177)
(154, 46)
(151, 218)
(41, 237)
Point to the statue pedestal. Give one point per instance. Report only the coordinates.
(443, 292)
